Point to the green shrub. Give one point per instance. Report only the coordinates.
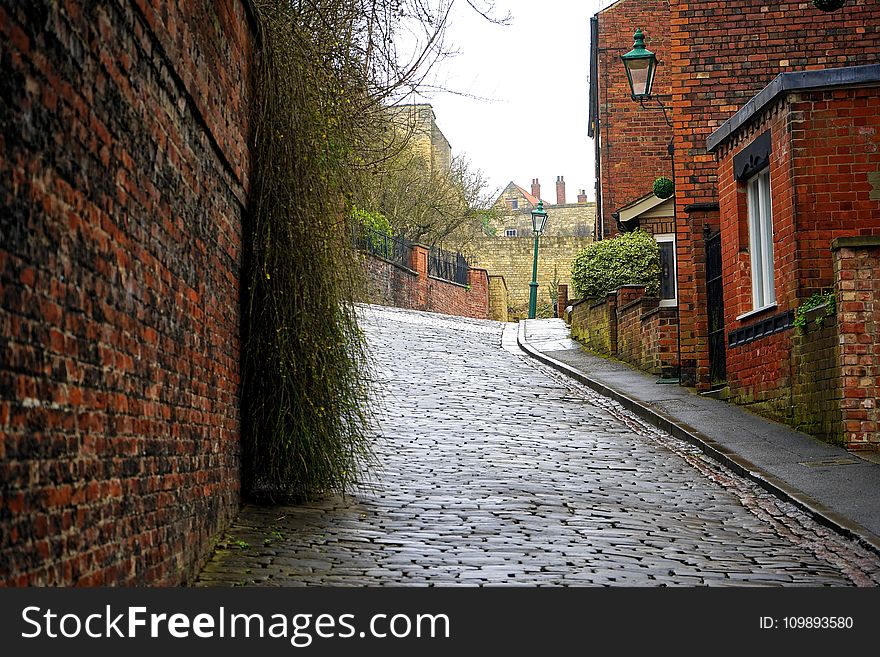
(663, 187)
(826, 299)
(372, 219)
(628, 259)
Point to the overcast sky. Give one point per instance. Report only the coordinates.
(534, 73)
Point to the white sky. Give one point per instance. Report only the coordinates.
(531, 80)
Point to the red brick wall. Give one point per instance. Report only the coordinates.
(633, 138)
(816, 392)
(396, 286)
(630, 302)
(660, 341)
(722, 54)
(122, 180)
(595, 323)
(824, 145)
(857, 275)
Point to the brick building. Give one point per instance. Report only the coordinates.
(798, 178)
(713, 63)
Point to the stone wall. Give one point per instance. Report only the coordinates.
(123, 163)
(498, 299)
(570, 220)
(512, 258)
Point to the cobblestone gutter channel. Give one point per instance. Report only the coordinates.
(499, 470)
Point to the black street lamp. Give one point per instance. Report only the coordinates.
(539, 223)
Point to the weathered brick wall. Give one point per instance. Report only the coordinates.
(498, 299)
(512, 257)
(659, 341)
(857, 286)
(123, 165)
(392, 285)
(630, 301)
(709, 84)
(816, 391)
(594, 322)
(633, 137)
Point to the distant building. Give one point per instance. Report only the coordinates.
(508, 251)
(418, 124)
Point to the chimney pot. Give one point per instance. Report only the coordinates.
(536, 188)
(560, 190)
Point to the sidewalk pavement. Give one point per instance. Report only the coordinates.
(837, 487)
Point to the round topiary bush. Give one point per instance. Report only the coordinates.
(663, 187)
(828, 5)
(628, 259)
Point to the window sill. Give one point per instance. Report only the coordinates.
(757, 311)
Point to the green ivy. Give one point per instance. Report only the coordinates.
(628, 259)
(826, 299)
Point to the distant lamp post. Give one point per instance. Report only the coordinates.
(640, 65)
(539, 222)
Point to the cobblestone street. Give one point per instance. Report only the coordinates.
(496, 470)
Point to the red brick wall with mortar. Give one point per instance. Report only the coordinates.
(759, 373)
(825, 144)
(392, 285)
(659, 341)
(633, 138)
(722, 54)
(594, 322)
(816, 393)
(857, 286)
(123, 165)
(630, 302)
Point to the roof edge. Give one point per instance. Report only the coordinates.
(792, 81)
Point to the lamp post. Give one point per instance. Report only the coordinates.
(539, 222)
(641, 64)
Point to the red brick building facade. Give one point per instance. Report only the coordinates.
(717, 58)
(815, 139)
(631, 139)
(721, 55)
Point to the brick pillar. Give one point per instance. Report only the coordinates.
(857, 288)
(478, 295)
(419, 264)
(561, 300)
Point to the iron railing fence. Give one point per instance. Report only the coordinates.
(448, 266)
(393, 249)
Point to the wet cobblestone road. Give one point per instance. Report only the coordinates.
(497, 470)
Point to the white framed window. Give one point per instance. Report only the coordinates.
(510, 232)
(668, 277)
(761, 240)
